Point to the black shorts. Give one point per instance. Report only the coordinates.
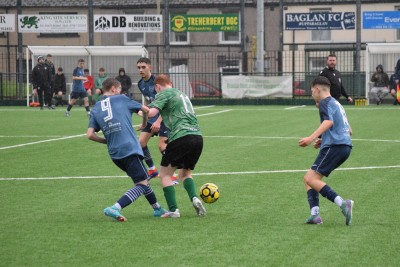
(76, 95)
(184, 152)
(329, 158)
(133, 166)
(164, 131)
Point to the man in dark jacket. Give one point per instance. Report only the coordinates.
(60, 86)
(125, 81)
(381, 83)
(335, 79)
(41, 81)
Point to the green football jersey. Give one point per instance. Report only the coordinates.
(177, 113)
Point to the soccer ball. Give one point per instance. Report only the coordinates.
(209, 193)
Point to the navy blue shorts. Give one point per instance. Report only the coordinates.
(133, 166)
(164, 131)
(76, 95)
(329, 158)
(184, 152)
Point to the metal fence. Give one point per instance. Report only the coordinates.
(205, 66)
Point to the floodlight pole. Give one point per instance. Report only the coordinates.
(260, 36)
(358, 46)
(91, 35)
(166, 35)
(20, 52)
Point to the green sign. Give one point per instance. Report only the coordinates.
(205, 23)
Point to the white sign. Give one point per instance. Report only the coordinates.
(256, 86)
(52, 23)
(7, 23)
(128, 23)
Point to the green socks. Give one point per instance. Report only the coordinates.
(190, 188)
(169, 193)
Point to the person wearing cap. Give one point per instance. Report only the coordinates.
(125, 81)
(41, 81)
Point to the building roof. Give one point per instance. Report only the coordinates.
(174, 3)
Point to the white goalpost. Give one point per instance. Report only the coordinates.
(110, 57)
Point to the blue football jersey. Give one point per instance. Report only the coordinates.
(339, 133)
(149, 92)
(113, 116)
(77, 85)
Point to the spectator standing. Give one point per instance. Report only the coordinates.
(41, 80)
(88, 84)
(50, 64)
(125, 81)
(60, 86)
(380, 86)
(78, 91)
(334, 78)
(98, 83)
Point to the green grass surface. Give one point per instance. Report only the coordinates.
(54, 184)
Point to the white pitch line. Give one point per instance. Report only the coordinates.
(197, 174)
(204, 107)
(43, 141)
(288, 108)
(222, 111)
(294, 138)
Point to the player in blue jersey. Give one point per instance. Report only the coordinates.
(335, 146)
(78, 90)
(155, 126)
(113, 116)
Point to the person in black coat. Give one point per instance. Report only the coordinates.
(334, 77)
(125, 81)
(60, 86)
(41, 81)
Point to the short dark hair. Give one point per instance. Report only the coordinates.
(81, 60)
(110, 82)
(321, 80)
(144, 60)
(331, 55)
(60, 69)
(49, 55)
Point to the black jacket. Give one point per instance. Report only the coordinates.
(41, 76)
(126, 83)
(59, 83)
(335, 79)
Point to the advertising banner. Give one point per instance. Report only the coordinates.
(320, 21)
(381, 20)
(128, 23)
(256, 86)
(205, 23)
(62, 23)
(7, 23)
